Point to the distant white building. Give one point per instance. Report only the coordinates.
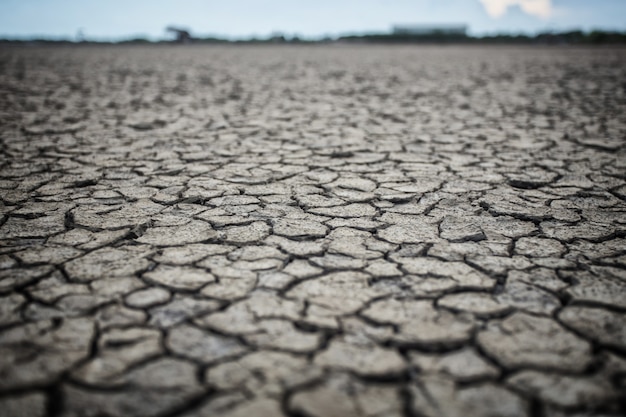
(421, 29)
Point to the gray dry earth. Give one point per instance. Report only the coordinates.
(312, 231)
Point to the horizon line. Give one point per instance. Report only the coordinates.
(286, 35)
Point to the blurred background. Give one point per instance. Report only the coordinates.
(118, 20)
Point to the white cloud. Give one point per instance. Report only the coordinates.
(539, 8)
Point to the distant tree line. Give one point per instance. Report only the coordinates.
(572, 37)
(595, 37)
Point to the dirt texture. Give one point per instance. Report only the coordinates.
(312, 231)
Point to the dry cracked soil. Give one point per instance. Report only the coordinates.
(313, 231)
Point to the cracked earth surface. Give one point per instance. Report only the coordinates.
(312, 231)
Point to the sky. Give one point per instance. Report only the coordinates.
(123, 19)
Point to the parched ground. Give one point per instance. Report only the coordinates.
(323, 231)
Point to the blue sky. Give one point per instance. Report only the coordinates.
(118, 19)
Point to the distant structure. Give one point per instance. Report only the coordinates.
(182, 35)
(429, 30)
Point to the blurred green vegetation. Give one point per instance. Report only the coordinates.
(572, 37)
(576, 37)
